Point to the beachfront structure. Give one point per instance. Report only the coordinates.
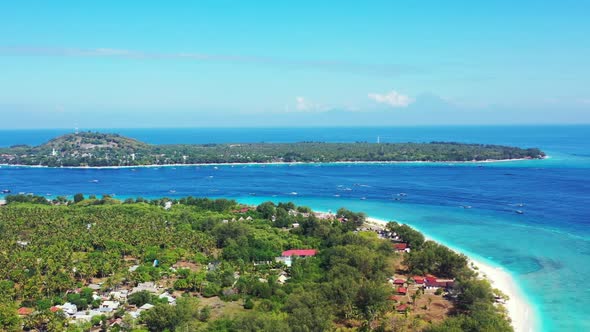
(418, 280)
(434, 283)
(288, 255)
(401, 247)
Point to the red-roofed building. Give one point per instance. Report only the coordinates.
(299, 252)
(399, 247)
(402, 308)
(24, 311)
(287, 256)
(434, 283)
(399, 282)
(242, 210)
(393, 298)
(419, 280)
(54, 309)
(402, 290)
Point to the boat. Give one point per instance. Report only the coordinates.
(94, 181)
(363, 198)
(6, 191)
(519, 211)
(466, 206)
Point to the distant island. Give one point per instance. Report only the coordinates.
(93, 149)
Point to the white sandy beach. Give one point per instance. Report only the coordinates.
(519, 310)
(283, 163)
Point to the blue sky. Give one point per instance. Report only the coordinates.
(267, 63)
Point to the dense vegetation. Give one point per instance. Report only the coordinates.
(97, 149)
(218, 249)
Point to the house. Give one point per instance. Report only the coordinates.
(86, 316)
(282, 279)
(24, 311)
(146, 306)
(399, 282)
(167, 205)
(418, 280)
(402, 290)
(145, 286)
(401, 247)
(54, 309)
(167, 296)
(116, 321)
(69, 308)
(108, 306)
(242, 210)
(402, 308)
(287, 256)
(118, 295)
(295, 225)
(434, 283)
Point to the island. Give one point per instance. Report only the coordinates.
(87, 263)
(91, 149)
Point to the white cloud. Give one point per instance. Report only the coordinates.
(303, 104)
(393, 99)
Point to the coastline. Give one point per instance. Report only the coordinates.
(521, 313)
(282, 163)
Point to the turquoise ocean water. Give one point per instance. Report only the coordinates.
(546, 249)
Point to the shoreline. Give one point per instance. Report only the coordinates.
(521, 312)
(281, 163)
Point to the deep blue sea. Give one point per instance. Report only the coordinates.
(546, 249)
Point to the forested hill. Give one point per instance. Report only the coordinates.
(99, 149)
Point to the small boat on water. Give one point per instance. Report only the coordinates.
(466, 206)
(363, 198)
(94, 181)
(519, 212)
(6, 191)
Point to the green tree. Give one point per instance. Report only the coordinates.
(9, 320)
(79, 197)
